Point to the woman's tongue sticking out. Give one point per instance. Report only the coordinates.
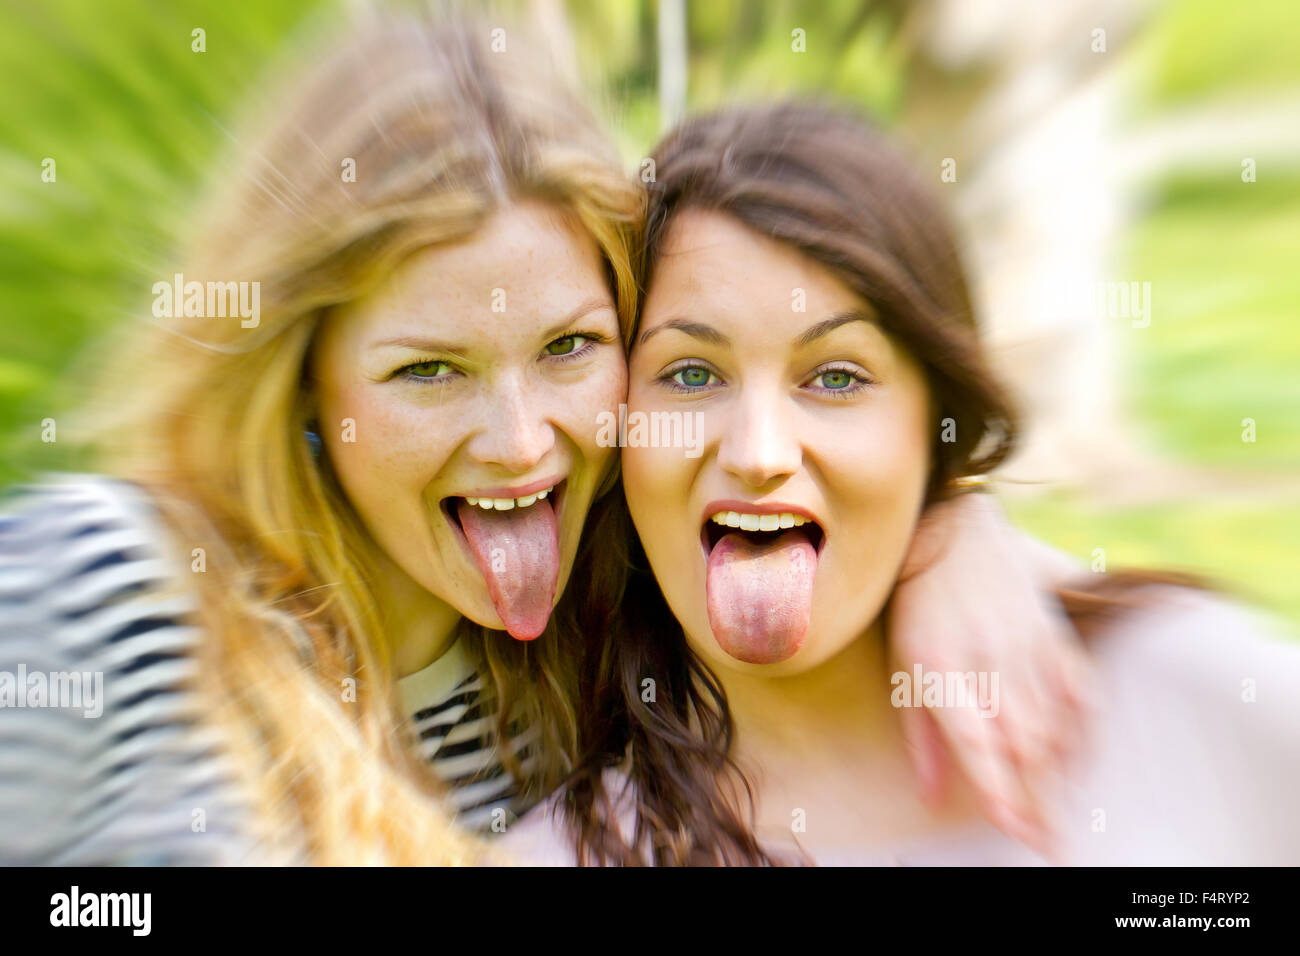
(518, 554)
(760, 594)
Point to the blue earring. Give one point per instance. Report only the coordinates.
(313, 439)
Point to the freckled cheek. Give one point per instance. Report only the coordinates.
(396, 442)
(582, 405)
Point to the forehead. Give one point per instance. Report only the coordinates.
(528, 248)
(711, 261)
(528, 263)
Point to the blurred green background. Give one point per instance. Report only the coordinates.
(133, 118)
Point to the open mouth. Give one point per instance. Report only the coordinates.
(514, 543)
(758, 530)
(761, 569)
(451, 506)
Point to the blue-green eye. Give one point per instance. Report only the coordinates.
(836, 378)
(838, 382)
(692, 376)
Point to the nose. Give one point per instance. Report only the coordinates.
(515, 431)
(759, 445)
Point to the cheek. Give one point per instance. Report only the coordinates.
(657, 484)
(582, 407)
(877, 483)
(654, 477)
(379, 443)
(647, 473)
(891, 459)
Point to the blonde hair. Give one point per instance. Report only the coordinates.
(209, 415)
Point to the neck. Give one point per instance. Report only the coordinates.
(841, 702)
(418, 628)
(824, 754)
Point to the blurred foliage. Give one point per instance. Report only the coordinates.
(742, 50)
(1204, 48)
(1223, 344)
(135, 119)
(113, 93)
(1244, 549)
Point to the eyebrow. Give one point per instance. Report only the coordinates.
(707, 333)
(831, 324)
(421, 344)
(425, 344)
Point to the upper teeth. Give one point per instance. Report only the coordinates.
(749, 522)
(505, 504)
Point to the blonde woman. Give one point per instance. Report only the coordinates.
(327, 502)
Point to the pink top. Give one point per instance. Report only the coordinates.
(1194, 758)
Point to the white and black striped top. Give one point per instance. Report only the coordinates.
(119, 768)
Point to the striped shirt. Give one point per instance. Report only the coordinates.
(454, 726)
(104, 755)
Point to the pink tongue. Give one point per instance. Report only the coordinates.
(519, 557)
(760, 595)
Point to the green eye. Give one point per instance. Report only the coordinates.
(565, 345)
(693, 376)
(427, 369)
(836, 379)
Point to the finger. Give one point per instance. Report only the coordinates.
(1076, 683)
(1066, 672)
(1022, 707)
(939, 759)
(977, 751)
(1044, 785)
(925, 749)
(1042, 723)
(1089, 701)
(1038, 827)
(1028, 716)
(1036, 723)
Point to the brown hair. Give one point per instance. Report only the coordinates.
(829, 185)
